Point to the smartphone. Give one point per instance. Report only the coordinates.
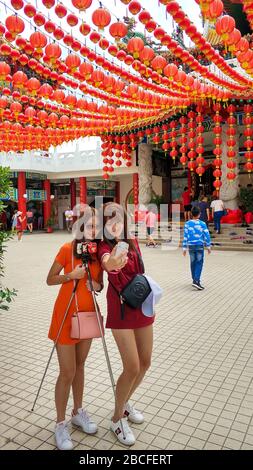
(121, 246)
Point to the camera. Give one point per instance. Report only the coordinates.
(85, 250)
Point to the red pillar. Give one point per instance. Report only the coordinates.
(83, 190)
(117, 194)
(72, 193)
(136, 188)
(21, 198)
(47, 202)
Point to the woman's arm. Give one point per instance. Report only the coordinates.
(111, 262)
(54, 278)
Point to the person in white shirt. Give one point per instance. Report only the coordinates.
(217, 207)
(69, 218)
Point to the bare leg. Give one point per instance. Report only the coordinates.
(126, 343)
(144, 342)
(82, 351)
(67, 362)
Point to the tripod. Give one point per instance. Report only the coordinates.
(85, 260)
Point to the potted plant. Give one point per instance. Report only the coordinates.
(50, 224)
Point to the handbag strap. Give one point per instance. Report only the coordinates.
(76, 302)
(74, 281)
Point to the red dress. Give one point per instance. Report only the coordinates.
(133, 318)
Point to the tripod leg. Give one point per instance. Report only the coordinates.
(55, 343)
(103, 340)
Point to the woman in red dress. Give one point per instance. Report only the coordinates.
(134, 333)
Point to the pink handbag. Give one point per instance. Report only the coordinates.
(84, 325)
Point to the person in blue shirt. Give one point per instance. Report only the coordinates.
(196, 236)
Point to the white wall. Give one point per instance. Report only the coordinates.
(126, 183)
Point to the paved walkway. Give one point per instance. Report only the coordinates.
(198, 393)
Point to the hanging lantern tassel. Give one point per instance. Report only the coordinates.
(248, 132)
(199, 141)
(231, 131)
(166, 136)
(217, 150)
(183, 141)
(191, 144)
(173, 143)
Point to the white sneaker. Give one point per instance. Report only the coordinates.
(133, 415)
(62, 437)
(123, 432)
(82, 420)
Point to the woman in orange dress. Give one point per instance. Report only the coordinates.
(72, 353)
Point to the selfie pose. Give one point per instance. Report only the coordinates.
(72, 353)
(132, 329)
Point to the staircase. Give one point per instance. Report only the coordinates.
(231, 238)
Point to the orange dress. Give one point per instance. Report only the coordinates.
(84, 297)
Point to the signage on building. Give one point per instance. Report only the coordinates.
(30, 176)
(101, 188)
(36, 195)
(12, 195)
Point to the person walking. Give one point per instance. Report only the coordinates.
(69, 218)
(132, 331)
(186, 197)
(14, 220)
(204, 210)
(72, 353)
(29, 216)
(217, 206)
(19, 225)
(150, 220)
(196, 236)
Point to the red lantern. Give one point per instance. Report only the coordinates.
(15, 25)
(171, 71)
(19, 79)
(53, 51)
(84, 29)
(17, 4)
(95, 37)
(49, 27)
(48, 3)
(58, 34)
(147, 55)
(73, 61)
(29, 10)
(159, 33)
(118, 30)
(38, 40)
(101, 18)
(144, 17)
(86, 70)
(225, 26)
(39, 19)
(135, 46)
(158, 63)
(45, 90)
(4, 70)
(60, 10)
(32, 85)
(72, 20)
(81, 5)
(134, 7)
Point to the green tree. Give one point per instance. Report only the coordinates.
(6, 295)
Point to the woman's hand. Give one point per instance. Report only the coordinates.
(115, 262)
(96, 286)
(77, 273)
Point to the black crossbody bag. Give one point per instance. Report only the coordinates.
(135, 292)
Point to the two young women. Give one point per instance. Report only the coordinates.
(133, 334)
